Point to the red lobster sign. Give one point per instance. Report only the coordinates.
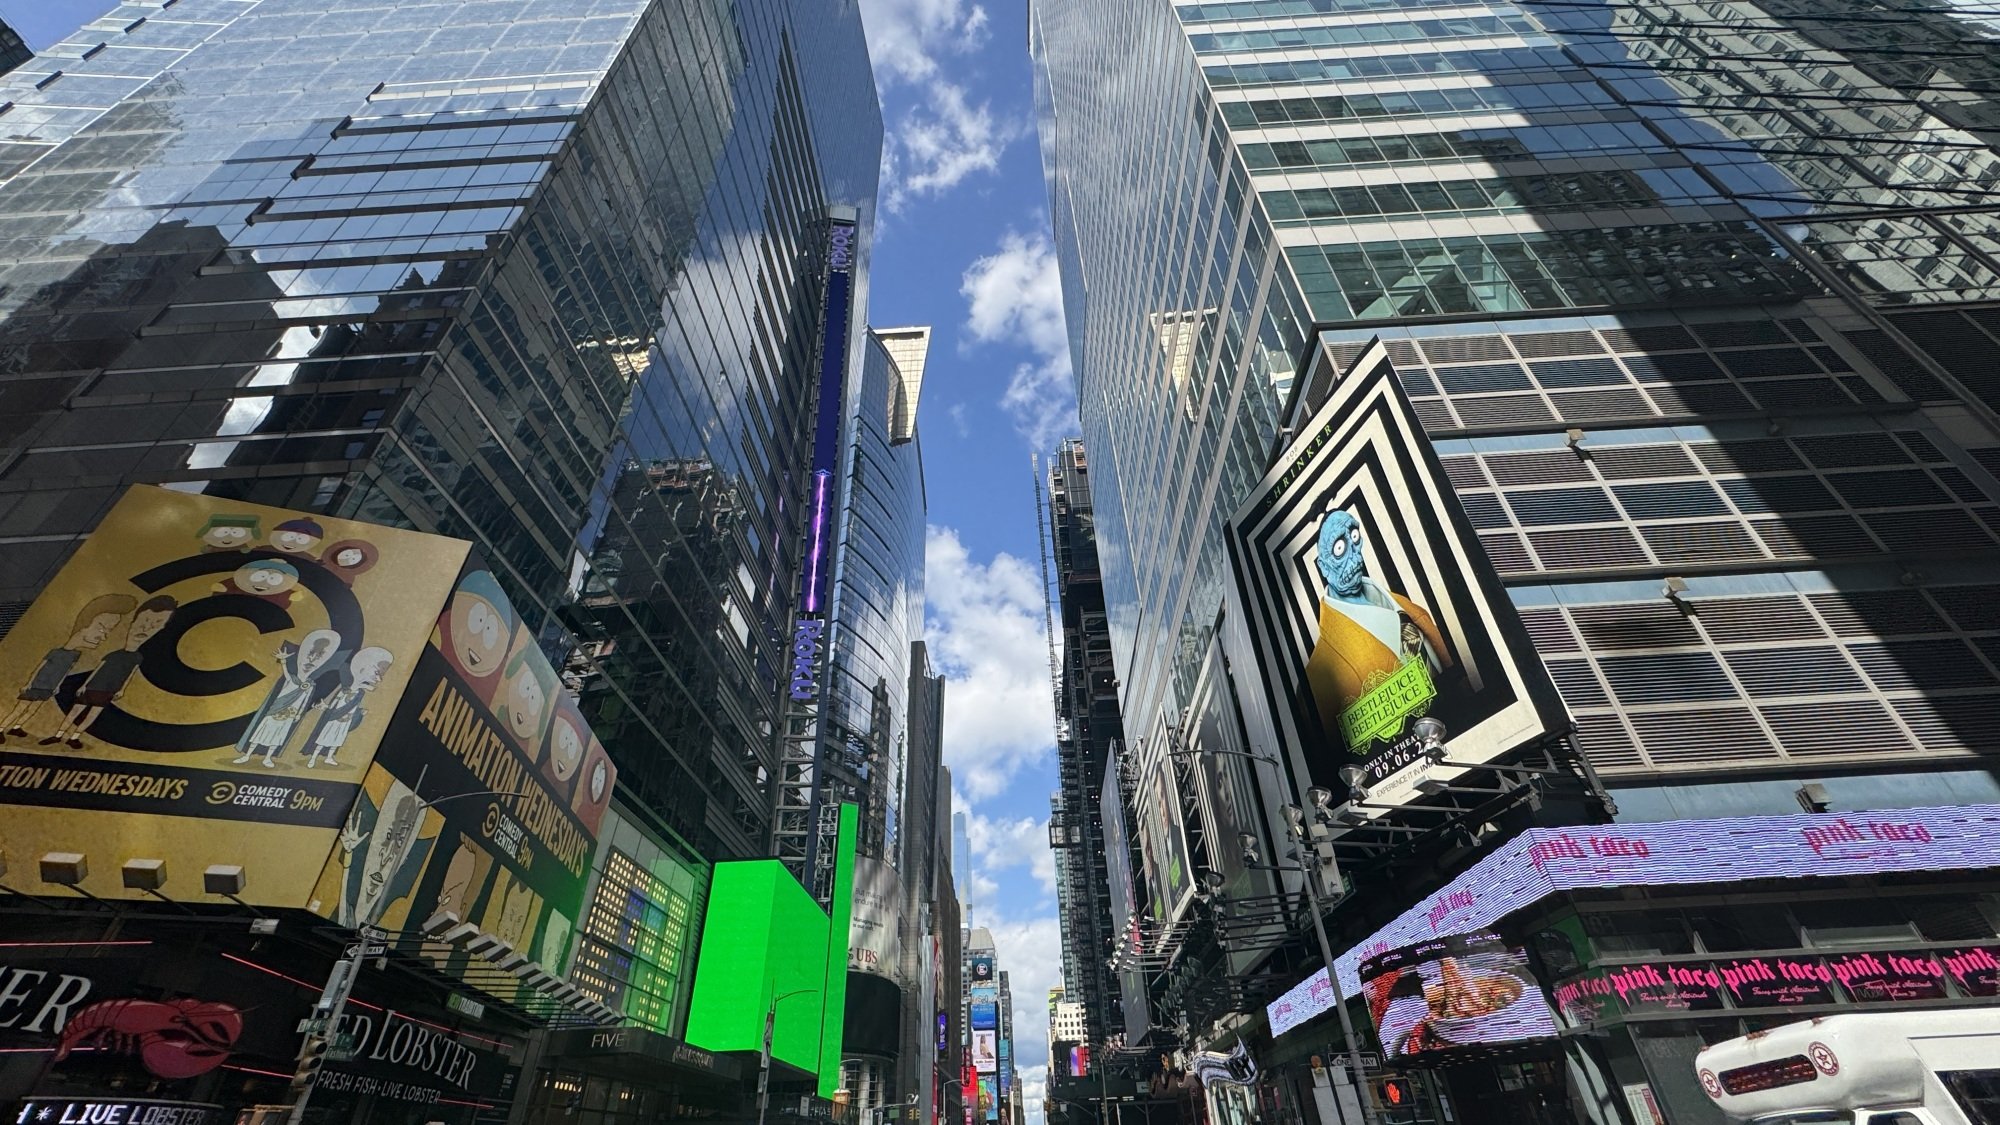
(173, 1038)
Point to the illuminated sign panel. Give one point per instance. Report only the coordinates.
(763, 938)
(1542, 861)
(1466, 990)
(1368, 604)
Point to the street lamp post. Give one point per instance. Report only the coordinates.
(764, 1057)
(1310, 878)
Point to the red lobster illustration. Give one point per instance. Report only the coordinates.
(174, 1038)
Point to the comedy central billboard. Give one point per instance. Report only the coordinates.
(354, 715)
(1370, 604)
(486, 796)
(206, 682)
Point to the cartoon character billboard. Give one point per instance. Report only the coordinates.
(201, 660)
(487, 795)
(1369, 603)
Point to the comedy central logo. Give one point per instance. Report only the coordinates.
(315, 668)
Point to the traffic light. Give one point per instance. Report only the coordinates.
(1397, 1093)
(312, 1055)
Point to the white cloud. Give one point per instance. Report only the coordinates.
(1006, 842)
(941, 135)
(1034, 1087)
(906, 37)
(987, 635)
(933, 146)
(1014, 296)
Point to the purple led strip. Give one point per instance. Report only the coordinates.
(818, 540)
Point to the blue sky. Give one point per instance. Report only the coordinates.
(962, 247)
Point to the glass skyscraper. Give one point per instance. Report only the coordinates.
(542, 274)
(1696, 301)
(1661, 318)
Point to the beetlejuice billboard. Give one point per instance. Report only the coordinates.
(1370, 604)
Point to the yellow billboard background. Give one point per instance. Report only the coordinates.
(202, 660)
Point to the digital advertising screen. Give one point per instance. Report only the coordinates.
(1467, 990)
(1370, 604)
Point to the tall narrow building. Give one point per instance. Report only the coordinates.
(879, 725)
(1087, 727)
(1695, 304)
(545, 276)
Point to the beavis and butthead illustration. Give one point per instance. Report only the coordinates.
(96, 623)
(107, 682)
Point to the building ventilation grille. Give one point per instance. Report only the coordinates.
(1584, 406)
(1737, 333)
(1817, 730)
(1553, 467)
(1701, 543)
(1484, 377)
(1561, 373)
(1876, 613)
(1634, 625)
(1503, 410)
(1466, 349)
(1672, 677)
(1712, 736)
(1585, 550)
(1749, 620)
(1633, 462)
(1549, 631)
(1578, 683)
(1794, 671)
(1535, 345)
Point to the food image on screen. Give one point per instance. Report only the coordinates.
(1461, 991)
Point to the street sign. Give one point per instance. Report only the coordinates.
(343, 1047)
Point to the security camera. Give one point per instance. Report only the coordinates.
(1248, 845)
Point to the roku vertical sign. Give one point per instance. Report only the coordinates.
(809, 635)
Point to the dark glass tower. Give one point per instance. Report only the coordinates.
(13, 50)
(546, 276)
(1087, 726)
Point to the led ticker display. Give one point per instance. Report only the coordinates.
(1543, 861)
(1774, 981)
(1467, 990)
(1306, 1000)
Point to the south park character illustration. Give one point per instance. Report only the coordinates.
(383, 850)
(349, 559)
(341, 712)
(526, 698)
(228, 533)
(593, 790)
(1365, 632)
(270, 580)
(297, 537)
(107, 681)
(568, 735)
(477, 630)
(300, 670)
(95, 624)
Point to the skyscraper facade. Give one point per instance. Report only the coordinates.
(1692, 300)
(13, 49)
(544, 276)
(1560, 220)
(1087, 726)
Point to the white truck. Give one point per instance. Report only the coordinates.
(1862, 1068)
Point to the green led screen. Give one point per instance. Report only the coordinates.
(762, 941)
(842, 910)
